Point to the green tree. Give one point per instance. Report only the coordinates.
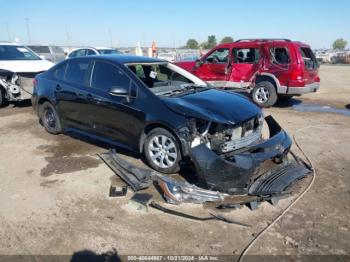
(340, 43)
(210, 43)
(226, 39)
(192, 44)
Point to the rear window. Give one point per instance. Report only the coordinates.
(77, 72)
(59, 72)
(39, 49)
(280, 55)
(108, 52)
(309, 58)
(57, 49)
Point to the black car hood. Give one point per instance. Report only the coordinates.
(214, 105)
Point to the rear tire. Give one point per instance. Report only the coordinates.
(50, 119)
(264, 94)
(162, 151)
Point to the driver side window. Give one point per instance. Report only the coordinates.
(105, 76)
(219, 56)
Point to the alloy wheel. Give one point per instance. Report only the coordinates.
(162, 151)
(262, 95)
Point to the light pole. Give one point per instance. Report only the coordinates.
(28, 31)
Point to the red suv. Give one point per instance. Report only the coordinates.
(268, 68)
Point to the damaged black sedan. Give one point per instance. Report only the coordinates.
(167, 114)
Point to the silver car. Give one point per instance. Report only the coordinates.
(52, 53)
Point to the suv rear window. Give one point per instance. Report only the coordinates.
(309, 58)
(77, 71)
(280, 55)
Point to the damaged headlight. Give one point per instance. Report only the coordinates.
(176, 192)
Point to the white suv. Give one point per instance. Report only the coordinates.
(18, 67)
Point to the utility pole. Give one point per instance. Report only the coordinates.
(28, 31)
(8, 32)
(110, 36)
(143, 39)
(69, 40)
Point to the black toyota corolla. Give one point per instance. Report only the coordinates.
(149, 106)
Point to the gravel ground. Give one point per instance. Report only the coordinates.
(54, 193)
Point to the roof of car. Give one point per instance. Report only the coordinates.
(258, 42)
(10, 43)
(124, 59)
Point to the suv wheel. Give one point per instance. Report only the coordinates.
(162, 151)
(50, 119)
(264, 94)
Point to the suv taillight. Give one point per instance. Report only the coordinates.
(296, 75)
(35, 82)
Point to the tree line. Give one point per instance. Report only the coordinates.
(211, 42)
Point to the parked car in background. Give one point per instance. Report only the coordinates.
(86, 51)
(268, 68)
(52, 53)
(18, 67)
(167, 56)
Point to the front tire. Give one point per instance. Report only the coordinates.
(3, 101)
(264, 94)
(162, 151)
(50, 119)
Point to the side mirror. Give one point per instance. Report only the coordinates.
(119, 91)
(198, 63)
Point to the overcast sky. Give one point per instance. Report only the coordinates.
(171, 23)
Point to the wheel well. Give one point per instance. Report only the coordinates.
(150, 127)
(262, 78)
(43, 100)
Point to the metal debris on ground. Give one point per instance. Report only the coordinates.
(139, 201)
(188, 216)
(116, 191)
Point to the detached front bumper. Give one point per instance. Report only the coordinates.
(233, 172)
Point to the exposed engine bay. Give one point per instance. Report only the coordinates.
(232, 166)
(17, 86)
(223, 138)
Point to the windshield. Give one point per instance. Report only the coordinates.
(166, 79)
(13, 52)
(109, 52)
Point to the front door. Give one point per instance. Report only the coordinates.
(214, 65)
(114, 117)
(245, 65)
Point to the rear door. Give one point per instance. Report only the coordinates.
(245, 64)
(214, 65)
(280, 61)
(72, 92)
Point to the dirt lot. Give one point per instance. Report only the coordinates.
(54, 193)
